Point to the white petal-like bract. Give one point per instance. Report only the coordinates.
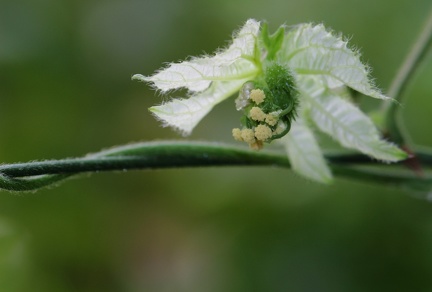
(184, 114)
(312, 50)
(346, 123)
(233, 63)
(305, 154)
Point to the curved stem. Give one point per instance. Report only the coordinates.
(403, 77)
(34, 175)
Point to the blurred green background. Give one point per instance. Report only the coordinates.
(65, 90)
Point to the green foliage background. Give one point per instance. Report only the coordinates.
(65, 90)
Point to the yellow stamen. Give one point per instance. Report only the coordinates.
(257, 96)
(263, 132)
(237, 134)
(248, 136)
(271, 119)
(257, 114)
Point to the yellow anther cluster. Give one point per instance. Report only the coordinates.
(236, 132)
(257, 114)
(257, 96)
(261, 124)
(248, 136)
(245, 135)
(263, 132)
(254, 138)
(271, 119)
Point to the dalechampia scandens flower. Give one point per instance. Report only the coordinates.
(287, 84)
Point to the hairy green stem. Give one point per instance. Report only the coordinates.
(404, 76)
(35, 175)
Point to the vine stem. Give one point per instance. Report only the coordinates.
(151, 155)
(404, 76)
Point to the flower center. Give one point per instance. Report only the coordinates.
(269, 106)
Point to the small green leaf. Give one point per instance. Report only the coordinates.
(272, 43)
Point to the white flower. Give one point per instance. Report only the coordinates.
(320, 66)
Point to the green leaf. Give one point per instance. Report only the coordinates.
(304, 153)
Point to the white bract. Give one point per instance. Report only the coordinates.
(320, 65)
(210, 80)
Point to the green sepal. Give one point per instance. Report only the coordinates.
(273, 42)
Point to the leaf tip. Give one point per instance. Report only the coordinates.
(139, 77)
(391, 153)
(401, 154)
(327, 179)
(153, 109)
